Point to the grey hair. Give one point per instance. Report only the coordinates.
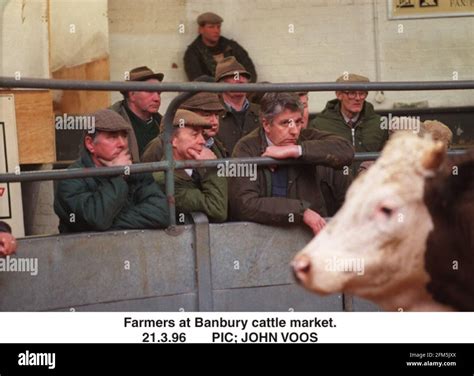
(273, 104)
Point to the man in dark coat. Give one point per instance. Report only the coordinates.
(282, 195)
(140, 110)
(109, 203)
(209, 48)
(240, 117)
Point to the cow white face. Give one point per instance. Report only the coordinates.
(374, 247)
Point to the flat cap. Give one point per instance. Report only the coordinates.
(351, 77)
(229, 66)
(185, 118)
(203, 102)
(142, 74)
(109, 121)
(209, 18)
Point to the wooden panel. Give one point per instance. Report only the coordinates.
(35, 125)
(77, 102)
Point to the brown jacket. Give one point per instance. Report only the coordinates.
(253, 201)
(230, 132)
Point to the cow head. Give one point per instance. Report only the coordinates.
(375, 245)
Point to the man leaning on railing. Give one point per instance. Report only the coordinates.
(109, 203)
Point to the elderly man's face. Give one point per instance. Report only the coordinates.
(351, 101)
(145, 101)
(186, 139)
(106, 145)
(285, 128)
(235, 79)
(213, 119)
(210, 33)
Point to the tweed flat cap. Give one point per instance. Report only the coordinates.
(229, 66)
(185, 118)
(203, 102)
(142, 74)
(109, 121)
(209, 18)
(351, 77)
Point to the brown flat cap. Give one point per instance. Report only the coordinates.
(185, 118)
(203, 102)
(351, 77)
(142, 74)
(209, 18)
(109, 121)
(229, 66)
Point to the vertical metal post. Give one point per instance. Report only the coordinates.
(168, 121)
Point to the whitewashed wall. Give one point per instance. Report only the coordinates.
(329, 37)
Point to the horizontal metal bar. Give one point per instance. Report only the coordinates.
(44, 83)
(160, 166)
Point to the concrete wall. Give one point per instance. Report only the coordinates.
(24, 38)
(79, 32)
(154, 270)
(329, 37)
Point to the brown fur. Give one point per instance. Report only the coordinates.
(450, 246)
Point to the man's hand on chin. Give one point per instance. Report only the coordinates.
(123, 159)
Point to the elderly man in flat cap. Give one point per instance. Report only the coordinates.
(109, 203)
(196, 190)
(240, 116)
(209, 48)
(350, 116)
(140, 110)
(206, 105)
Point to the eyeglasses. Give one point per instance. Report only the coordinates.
(354, 94)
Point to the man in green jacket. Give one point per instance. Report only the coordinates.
(206, 105)
(282, 195)
(109, 203)
(196, 190)
(353, 118)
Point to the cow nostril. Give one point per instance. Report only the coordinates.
(301, 267)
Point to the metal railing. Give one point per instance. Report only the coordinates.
(190, 89)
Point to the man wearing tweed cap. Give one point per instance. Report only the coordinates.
(109, 203)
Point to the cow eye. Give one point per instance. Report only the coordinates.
(387, 211)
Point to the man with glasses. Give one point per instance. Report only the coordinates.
(286, 194)
(352, 117)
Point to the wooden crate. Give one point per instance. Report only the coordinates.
(35, 125)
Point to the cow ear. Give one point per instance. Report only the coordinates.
(433, 157)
